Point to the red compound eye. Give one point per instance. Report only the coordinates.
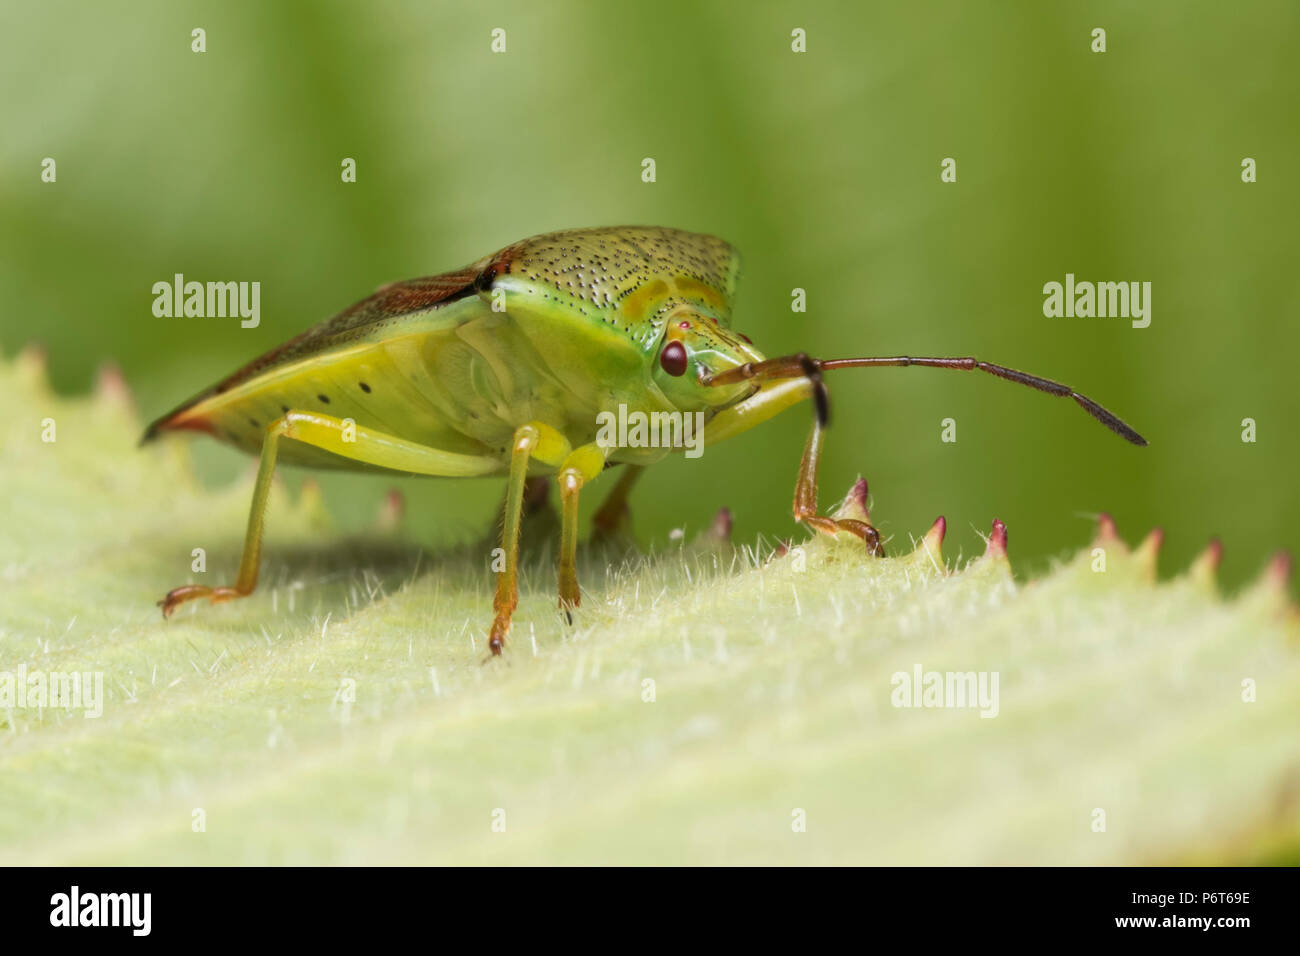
(673, 358)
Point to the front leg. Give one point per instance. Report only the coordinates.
(805, 499)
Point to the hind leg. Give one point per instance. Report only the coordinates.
(611, 517)
(334, 435)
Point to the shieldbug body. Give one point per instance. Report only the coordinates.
(506, 367)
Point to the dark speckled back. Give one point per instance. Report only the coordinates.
(631, 277)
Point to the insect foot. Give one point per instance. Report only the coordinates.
(851, 518)
(500, 628)
(189, 592)
(570, 595)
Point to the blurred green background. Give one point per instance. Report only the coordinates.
(822, 167)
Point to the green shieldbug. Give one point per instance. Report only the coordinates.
(506, 367)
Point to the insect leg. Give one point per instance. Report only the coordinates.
(251, 558)
(612, 514)
(537, 494)
(537, 491)
(534, 440)
(582, 465)
(774, 397)
(341, 438)
(805, 498)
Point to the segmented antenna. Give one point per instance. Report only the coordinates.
(801, 365)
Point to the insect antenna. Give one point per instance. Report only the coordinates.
(800, 365)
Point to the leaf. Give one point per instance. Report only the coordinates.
(344, 713)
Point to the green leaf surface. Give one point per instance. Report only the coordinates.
(345, 712)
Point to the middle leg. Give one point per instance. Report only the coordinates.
(534, 440)
(580, 467)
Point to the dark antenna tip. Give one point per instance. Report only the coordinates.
(1109, 419)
